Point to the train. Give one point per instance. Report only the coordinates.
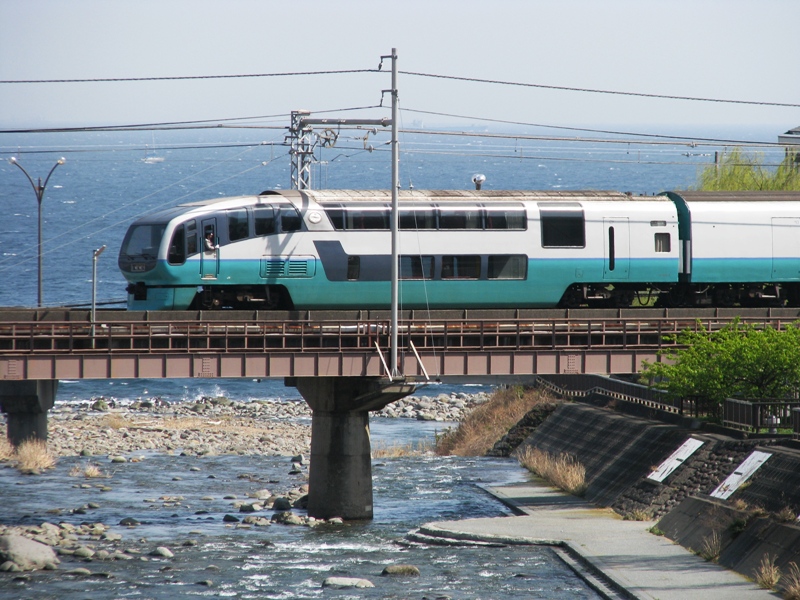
(332, 249)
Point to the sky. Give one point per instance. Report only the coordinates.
(732, 49)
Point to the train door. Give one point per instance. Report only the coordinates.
(616, 236)
(786, 248)
(209, 257)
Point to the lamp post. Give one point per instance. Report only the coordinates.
(95, 255)
(39, 188)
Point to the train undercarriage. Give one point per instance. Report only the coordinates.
(682, 295)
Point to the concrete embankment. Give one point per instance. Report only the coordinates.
(621, 452)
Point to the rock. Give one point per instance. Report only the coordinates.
(80, 571)
(101, 405)
(407, 570)
(347, 582)
(162, 551)
(84, 552)
(129, 522)
(205, 582)
(230, 519)
(118, 459)
(287, 518)
(26, 554)
(281, 504)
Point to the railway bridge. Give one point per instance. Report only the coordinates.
(336, 360)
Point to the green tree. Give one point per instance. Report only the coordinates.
(739, 172)
(739, 360)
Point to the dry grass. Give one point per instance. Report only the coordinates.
(6, 449)
(484, 426)
(33, 455)
(791, 589)
(563, 471)
(401, 450)
(768, 574)
(786, 515)
(712, 547)
(89, 471)
(637, 515)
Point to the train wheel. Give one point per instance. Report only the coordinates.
(724, 297)
(572, 298)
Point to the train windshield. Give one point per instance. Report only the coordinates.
(143, 240)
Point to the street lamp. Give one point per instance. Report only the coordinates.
(38, 188)
(95, 255)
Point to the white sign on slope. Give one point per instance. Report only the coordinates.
(742, 473)
(675, 459)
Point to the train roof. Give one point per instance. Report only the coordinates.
(343, 196)
(751, 196)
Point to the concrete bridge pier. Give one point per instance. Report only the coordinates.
(26, 404)
(340, 473)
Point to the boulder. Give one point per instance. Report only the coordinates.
(26, 554)
(347, 582)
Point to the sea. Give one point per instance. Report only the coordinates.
(110, 178)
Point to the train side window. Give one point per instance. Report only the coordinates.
(336, 216)
(353, 267)
(461, 267)
(290, 219)
(663, 242)
(264, 217)
(238, 228)
(191, 238)
(414, 219)
(416, 267)
(460, 218)
(177, 247)
(368, 218)
(507, 266)
(563, 227)
(505, 218)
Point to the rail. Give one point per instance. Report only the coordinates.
(441, 335)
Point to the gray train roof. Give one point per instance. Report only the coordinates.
(330, 196)
(752, 196)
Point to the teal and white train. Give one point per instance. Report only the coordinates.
(331, 249)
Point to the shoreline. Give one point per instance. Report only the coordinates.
(214, 425)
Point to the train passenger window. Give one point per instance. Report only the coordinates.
(461, 267)
(372, 217)
(416, 267)
(562, 226)
(663, 242)
(177, 247)
(460, 218)
(238, 228)
(508, 266)
(264, 217)
(417, 218)
(290, 219)
(191, 237)
(505, 218)
(353, 267)
(336, 216)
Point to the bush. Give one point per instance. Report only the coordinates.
(738, 171)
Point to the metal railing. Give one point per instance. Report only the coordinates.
(119, 336)
(767, 416)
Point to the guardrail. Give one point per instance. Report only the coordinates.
(120, 336)
(757, 415)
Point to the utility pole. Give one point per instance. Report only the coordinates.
(303, 142)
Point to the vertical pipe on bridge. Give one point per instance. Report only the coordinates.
(26, 404)
(340, 473)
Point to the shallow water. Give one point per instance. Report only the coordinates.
(278, 561)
